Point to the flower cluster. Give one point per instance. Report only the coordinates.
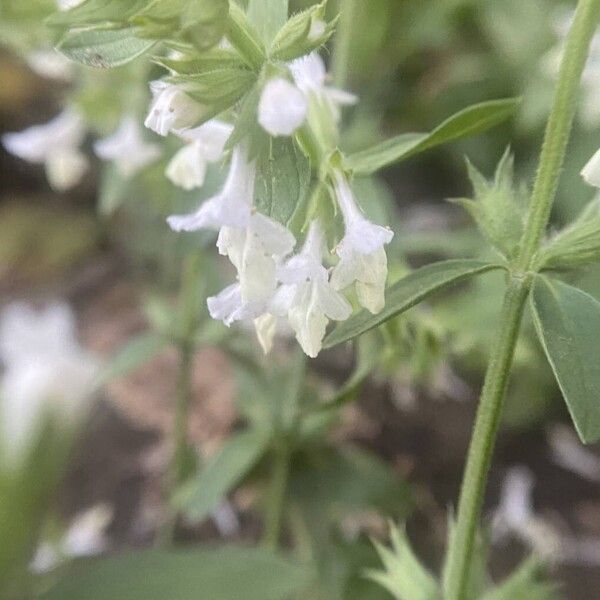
(273, 285)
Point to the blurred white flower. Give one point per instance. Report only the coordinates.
(282, 107)
(85, 537)
(171, 108)
(569, 453)
(232, 206)
(306, 296)
(310, 75)
(127, 148)
(46, 372)
(515, 515)
(68, 4)
(50, 64)
(362, 257)
(205, 144)
(56, 145)
(591, 171)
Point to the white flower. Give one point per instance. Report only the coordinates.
(54, 144)
(228, 306)
(46, 371)
(362, 256)
(85, 537)
(187, 168)
(50, 64)
(306, 296)
(254, 251)
(282, 107)
(68, 4)
(515, 514)
(171, 108)
(127, 148)
(591, 171)
(310, 76)
(232, 206)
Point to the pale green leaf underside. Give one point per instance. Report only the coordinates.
(268, 16)
(227, 573)
(103, 48)
(568, 325)
(469, 121)
(407, 292)
(205, 492)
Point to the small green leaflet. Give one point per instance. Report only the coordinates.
(97, 12)
(134, 353)
(469, 121)
(103, 48)
(227, 573)
(283, 180)
(567, 321)
(203, 494)
(408, 292)
(268, 16)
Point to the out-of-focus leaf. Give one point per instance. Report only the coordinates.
(97, 12)
(134, 354)
(113, 190)
(200, 496)
(567, 321)
(283, 181)
(403, 575)
(227, 573)
(204, 22)
(103, 48)
(408, 292)
(469, 121)
(268, 17)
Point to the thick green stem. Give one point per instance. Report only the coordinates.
(275, 502)
(456, 576)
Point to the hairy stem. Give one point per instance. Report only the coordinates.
(343, 42)
(457, 573)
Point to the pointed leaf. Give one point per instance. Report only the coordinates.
(103, 48)
(200, 496)
(568, 325)
(227, 573)
(268, 16)
(469, 121)
(408, 292)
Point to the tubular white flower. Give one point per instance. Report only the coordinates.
(46, 372)
(187, 168)
(228, 306)
(362, 257)
(171, 108)
(282, 107)
(310, 76)
(254, 251)
(591, 171)
(306, 295)
(127, 148)
(231, 207)
(55, 145)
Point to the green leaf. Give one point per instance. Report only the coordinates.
(403, 575)
(567, 321)
(469, 121)
(408, 292)
(498, 206)
(158, 18)
(297, 37)
(204, 22)
(134, 354)
(200, 496)
(283, 179)
(227, 573)
(114, 189)
(97, 12)
(103, 48)
(268, 16)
